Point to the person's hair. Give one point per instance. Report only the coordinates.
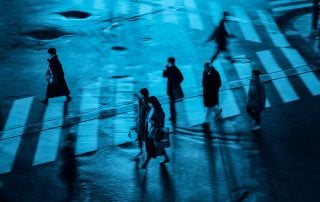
(207, 64)
(144, 92)
(256, 72)
(171, 60)
(52, 51)
(155, 102)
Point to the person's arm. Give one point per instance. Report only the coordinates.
(165, 73)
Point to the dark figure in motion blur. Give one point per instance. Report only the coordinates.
(57, 85)
(174, 90)
(220, 35)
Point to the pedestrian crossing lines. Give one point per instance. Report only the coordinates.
(281, 6)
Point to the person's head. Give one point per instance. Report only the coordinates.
(52, 51)
(155, 104)
(171, 61)
(225, 14)
(255, 73)
(207, 66)
(143, 93)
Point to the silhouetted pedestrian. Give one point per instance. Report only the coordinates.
(141, 118)
(211, 83)
(256, 99)
(57, 85)
(174, 90)
(156, 120)
(220, 35)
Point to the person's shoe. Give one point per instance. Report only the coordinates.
(44, 101)
(217, 115)
(255, 127)
(166, 160)
(68, 99)
(143, 166)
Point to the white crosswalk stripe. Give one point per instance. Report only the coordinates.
(195, 21)
(190, 4)
(8, 146)
(280, 2)
(283, 86)
(275, 34)
(247, 28)
(48, 144)
(87, 136)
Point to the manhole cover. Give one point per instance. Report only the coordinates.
(118, 48)
(74, 14)
(46, 34)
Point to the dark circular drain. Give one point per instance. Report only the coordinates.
(146, 39)
(119, 76)
(118, 48)
(46, 34)
(75, 14)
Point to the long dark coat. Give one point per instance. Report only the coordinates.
(141, 119)
(156, 122)
(59, 87)
(211, 84)
(256, 95)
(175, 78)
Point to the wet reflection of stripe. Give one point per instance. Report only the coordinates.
(272, 29)
(17, 118)
(189, 81)
(216, 12)
(168, 3)
(123, 7)
(310, 80)
(243, 70)
(218, 66)
(48, 144)
(283, 86)
(170, 16)
(246, 27)
(195, 111)
(157, 85)
(87, 137)
(99, 4)
(190, 4)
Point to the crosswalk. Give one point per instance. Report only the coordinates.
(88, 131)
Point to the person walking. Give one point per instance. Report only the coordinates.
(211, 83)
(220, 35)
(156, 120)
(141, 118)
(256, 99)
(174, 90)
(57, 85)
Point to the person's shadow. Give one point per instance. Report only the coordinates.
(69, 169)
(167, 184)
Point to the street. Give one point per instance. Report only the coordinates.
(80, 151)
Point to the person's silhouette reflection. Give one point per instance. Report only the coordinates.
(69, 166)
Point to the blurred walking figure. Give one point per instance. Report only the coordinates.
(156, 120)
(174, 90)
(220, 35)
(57, 85)
(256, 99)
(142, 116)
(211, 83)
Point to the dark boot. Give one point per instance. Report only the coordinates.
(44, 101)
(166, 158)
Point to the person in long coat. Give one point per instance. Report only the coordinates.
(155, 135)
(220, 35)
(57, 85)
(256, 99)
(174, 90)
(211, 83)
(141, 118)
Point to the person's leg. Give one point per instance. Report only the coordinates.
(140, 144)
(209, 114)
(166, 158)
(257, 117)
(172, 108)
(217, 111)
(251, 113)
(215, 55)
(144, 165)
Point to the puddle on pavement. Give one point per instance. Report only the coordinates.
(118, 48)
(46, 33)
(75, 14)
